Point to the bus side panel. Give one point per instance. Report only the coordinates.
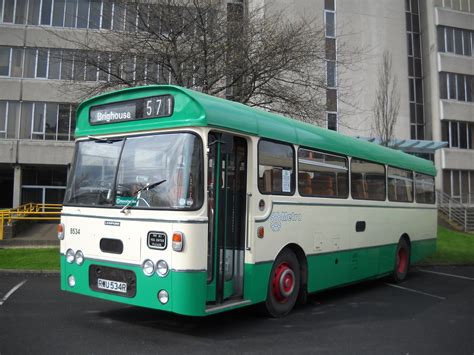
(189, 292)
(256, 281)
(387, 259)
(328, 270)
(422, 249)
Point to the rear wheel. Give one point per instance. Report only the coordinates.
(402, 261)
(284, 284)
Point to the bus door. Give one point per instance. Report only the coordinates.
(227, 211)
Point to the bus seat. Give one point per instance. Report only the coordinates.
(324, 186)
(304, 184)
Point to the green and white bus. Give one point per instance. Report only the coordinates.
(183, 202)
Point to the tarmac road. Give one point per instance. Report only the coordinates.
(430, 313)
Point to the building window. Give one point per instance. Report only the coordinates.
(331, 73)
(5, 53)
(331, 63)
(3, 118)
(43, 184)
(9, 112)
(458, 134)
(459, 184)
(330, 20)
(66, 64)
(456, 86)
(455, 40)
(415, 72)
(332, 121)
(38, 120)
(93, 14)
(46, 6)
(8, 11)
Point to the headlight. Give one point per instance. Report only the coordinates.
(148, 267)
(79, 257)
(163, 296)
(162, 268)
(71, 280)
(70, 256)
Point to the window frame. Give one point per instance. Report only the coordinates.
(293, 179)
(434, 188)
(346, 158)
(4, 130)
(385, 180)
(401, 178)
(9, 64)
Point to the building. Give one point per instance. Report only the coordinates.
(431, 42)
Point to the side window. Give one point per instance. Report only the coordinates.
(276, 168)
(367, 180)
(400, 185)
(424, 188)
(323, 175)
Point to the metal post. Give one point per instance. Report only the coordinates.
(1, 227)
(465, 219)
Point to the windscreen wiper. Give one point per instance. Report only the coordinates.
(147, 187)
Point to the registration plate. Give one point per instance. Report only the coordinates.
(110, 285)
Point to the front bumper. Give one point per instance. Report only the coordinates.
(187, 289)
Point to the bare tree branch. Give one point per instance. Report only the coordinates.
(255, 57)
(387, 101)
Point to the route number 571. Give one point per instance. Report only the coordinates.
(158, 106)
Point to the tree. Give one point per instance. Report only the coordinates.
(387, 101)
(249, 56)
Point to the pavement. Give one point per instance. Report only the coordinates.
(431, 313)
(36, 235)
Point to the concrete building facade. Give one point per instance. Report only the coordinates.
(431, 43)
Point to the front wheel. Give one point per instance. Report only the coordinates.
(283, 285)
(402, 261)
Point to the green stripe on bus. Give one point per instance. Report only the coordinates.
(188, 289)
(335, 269)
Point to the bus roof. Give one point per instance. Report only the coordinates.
(192, 108)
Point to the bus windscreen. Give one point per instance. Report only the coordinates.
(124, 172)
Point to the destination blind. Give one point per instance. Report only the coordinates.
(149, 107)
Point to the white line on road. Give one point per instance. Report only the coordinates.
(4, 299)
(416, 291)
(444, 274)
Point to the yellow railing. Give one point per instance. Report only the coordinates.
(30, 212)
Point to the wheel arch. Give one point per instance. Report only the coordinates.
(407, 238)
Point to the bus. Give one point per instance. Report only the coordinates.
(183, 202)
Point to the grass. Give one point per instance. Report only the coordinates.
(453, 248)
(30, 259)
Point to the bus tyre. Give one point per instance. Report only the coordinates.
(402, 261)
(284, 284)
